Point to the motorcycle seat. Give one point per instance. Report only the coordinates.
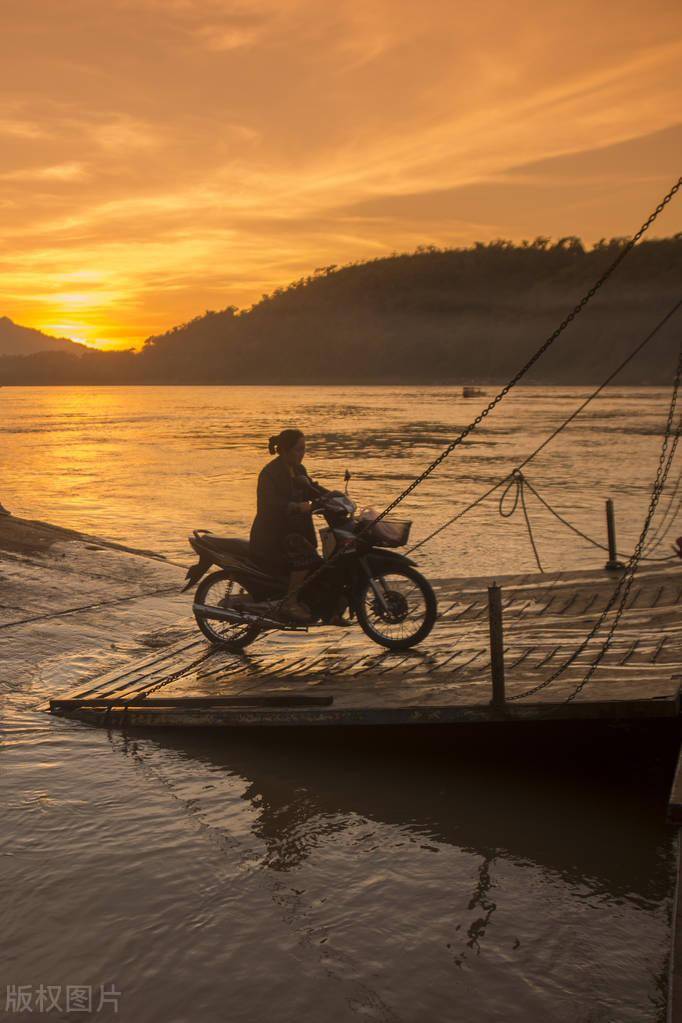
(222, 549)
(227, 545)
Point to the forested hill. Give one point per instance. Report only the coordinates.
(16, 340)
(434, 316)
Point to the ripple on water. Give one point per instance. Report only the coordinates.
(239, 879)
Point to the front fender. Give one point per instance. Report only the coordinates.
(385, 560)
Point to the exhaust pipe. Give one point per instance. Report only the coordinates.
(244, 618)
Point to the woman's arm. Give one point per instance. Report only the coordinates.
(274, 496)
(308, 485)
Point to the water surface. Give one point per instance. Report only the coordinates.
(235, 878)
(145, 465)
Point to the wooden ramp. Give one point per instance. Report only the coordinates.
(332, 677)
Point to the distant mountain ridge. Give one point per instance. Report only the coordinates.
(17, 340)
(435, 316)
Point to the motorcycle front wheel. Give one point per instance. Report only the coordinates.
(409, 612)
(221, 590)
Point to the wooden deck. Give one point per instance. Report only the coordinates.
(332, 677)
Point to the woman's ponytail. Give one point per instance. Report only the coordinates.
(284, 441)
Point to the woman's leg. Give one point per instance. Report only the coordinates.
(302, 559)
(291, 605)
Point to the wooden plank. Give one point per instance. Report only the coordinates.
(267, 717)
(198, 701)
(446, 677)
(659, 648)
(125, 671)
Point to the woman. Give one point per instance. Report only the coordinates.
(283, 537)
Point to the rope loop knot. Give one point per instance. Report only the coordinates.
(517, 487)
(516, 481)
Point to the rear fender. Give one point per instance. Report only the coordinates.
(196, 572)
(260, 587)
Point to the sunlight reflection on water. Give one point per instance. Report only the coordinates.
(248, 879)
(145, 465)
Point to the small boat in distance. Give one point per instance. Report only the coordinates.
(469, 391)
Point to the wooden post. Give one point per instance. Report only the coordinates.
(613, 564)
(496, 644)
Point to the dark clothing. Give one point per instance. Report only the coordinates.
(300, 553)
(276, 518)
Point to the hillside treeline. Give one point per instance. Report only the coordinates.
(432, 316)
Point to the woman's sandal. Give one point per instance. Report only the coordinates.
(339, 622)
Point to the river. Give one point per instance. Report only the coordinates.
(145, 465)
(251, 880)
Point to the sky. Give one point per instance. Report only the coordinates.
(164, 157)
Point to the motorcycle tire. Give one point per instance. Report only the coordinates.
(223, 634)
(372, 620)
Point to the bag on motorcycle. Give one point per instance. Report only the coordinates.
(387, 533)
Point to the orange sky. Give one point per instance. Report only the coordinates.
(162, 157)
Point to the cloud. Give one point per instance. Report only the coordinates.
(73, 171)
(22, 129)
(125, 134)
(221, 38)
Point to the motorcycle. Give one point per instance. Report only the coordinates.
(361, 575)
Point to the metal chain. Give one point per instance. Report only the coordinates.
(520, 481)
(624, 584)
(577, 309)
(534, 358)
(633, 564)
(667, 520)
(562, 426)
(459, 515)
(173, 677)
(579, 532)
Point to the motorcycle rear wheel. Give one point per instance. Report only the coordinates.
(412, 608)
(214, 591)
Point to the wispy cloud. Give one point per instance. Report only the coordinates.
(73, 171)
(233, 37)
(22, 129)
(123, 134)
